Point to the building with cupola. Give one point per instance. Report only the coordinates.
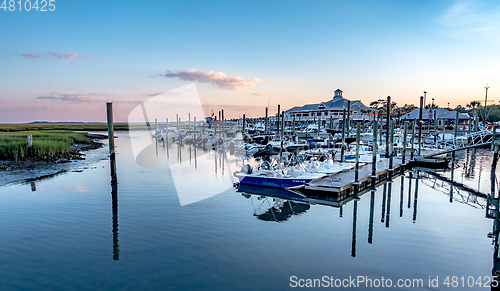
(332, 108)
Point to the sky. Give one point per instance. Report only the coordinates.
(64, 65)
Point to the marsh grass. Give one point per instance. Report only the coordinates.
(47, 145)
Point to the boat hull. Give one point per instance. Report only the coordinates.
(274, 182)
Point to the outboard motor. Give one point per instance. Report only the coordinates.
(246, 169)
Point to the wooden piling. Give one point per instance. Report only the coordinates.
(194, 122)
(387, 125)
(413, 141)
(342, 149)
(244, 120)
(348, 118)
(356, 170)
(391, 149)
(30, 141)
(266, 120)
(374, 153)
(405, 134)
(455, 135)
(420, 124)
(278, 120)
(435, 126)
(111, 138)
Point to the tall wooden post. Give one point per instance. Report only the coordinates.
(348, 118)
(194, 122)
(278, 121)
(374, 153)
(244, 124)
(435, 126)
(391, 149)
(412, 140)
(387, 125)
(223, 121)
(420, 124)
(111, 138)
(405, 134)
(267, 121)
(342, 149)
(356, 170)
(455, 134)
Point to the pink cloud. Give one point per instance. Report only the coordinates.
(69, 97)
(63, 57)
(218, 79)
(30, 56)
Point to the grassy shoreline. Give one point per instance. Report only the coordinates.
(48, 145)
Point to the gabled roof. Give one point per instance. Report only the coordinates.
(441, 113)
(337, 103)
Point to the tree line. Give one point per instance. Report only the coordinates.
(472, 108)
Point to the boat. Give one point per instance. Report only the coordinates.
(276, 178)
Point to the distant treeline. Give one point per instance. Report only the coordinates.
(39, 126)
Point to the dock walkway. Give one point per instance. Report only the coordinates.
(342, 184)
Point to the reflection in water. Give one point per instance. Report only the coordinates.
(114, 196)
(401, 196)
(452, 174)
(410, 176)
(354, 221)
(416, 197)
(389, 193)
(33, 186)
(114, 206)
(372, 209)
(384, 197)
(281, 210)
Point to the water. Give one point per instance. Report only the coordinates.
(63, 236)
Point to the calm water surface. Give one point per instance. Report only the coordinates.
(64, 235)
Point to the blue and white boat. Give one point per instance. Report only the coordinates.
(277, 179)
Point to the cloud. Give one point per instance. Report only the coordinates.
(466, 19)
(30, 56)
(63, 57)
(152, 94)
(218, 79)
(265, 93)
(47, 97)
(69, 97)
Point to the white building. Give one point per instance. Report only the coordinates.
(332, 108)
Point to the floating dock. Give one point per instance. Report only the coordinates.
(342, 185)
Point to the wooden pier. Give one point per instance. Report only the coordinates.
(342, 185)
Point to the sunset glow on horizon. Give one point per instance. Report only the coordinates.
(64, 65)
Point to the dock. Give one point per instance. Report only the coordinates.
(342, 185)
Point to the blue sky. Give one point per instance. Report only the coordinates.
(289, 52)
